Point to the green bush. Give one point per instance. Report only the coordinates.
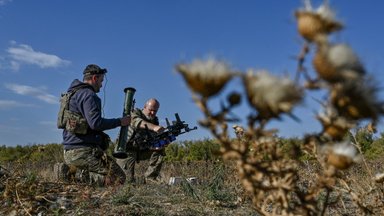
(364, 139)
(376, 149)
(10, 154)
(192, 150)
(202, 149)
(197, 150)
(175, 152)
(34, 153)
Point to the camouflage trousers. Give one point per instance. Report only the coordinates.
(103, 170)
(155, 163)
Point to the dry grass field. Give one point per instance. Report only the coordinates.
(30, 189)
(337, 170)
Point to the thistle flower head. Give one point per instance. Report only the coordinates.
(325, 11)
(316, 22)
(206, 77)
(379, 177)
(345, 148)
(356, 100)
(335, 127)
(343, 56)
(271, 95)
(337, 62)
(239, 130)
(342, 155)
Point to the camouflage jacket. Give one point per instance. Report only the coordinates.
(86, 102)
(134, 130)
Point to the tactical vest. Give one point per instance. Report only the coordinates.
(137, 136)
(71, 121)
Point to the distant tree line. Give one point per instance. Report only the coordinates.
(197, 150)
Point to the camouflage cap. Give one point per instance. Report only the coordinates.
(94, 69)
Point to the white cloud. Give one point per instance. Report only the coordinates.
(8, 104)
(38, 93)
(15, 65)
(24, 54)
(3, 2)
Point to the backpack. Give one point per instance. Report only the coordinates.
(66, 119)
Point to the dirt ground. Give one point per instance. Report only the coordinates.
(28, 193)
(30, 190)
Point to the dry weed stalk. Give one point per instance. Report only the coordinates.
(264, 168)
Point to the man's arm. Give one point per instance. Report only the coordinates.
(92, 113)
(138, 121)
(156, 128)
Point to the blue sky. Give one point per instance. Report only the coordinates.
(45, 44)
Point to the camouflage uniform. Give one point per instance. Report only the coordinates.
(103, 170)
(140, 151)
(84, 145)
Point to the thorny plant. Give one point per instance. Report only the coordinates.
(272, 178)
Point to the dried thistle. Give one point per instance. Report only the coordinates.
(379, 177)
(371, 127)
(335, 127)
(239, 131)
(273, 179)
(271, 95)
(342, 155)
(313, 24)
(234, 99)
(356, 100)
(207, 77)
(337, 63)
